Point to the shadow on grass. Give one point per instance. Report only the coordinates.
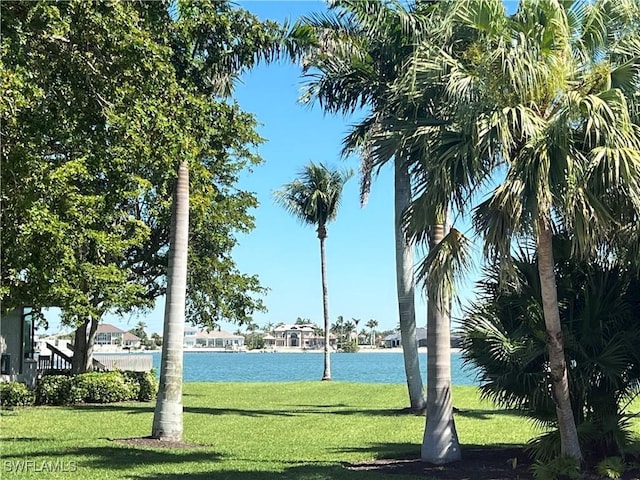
(113, 407)
(488, 414)
(297, 472)
(385, 450)
(119, 456)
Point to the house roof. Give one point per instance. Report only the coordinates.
(130, 337)
(108, 328)
(216, 334)
(300, 328)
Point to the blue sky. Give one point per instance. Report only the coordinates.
(281, 251)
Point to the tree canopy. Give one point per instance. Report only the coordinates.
(96, 113)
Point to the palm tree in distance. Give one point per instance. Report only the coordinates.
(362, 47)
(314, 199)
(372, 324)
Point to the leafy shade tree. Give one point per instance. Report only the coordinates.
(503, 336)
(362, 46)
(314, 199)
(70, 176)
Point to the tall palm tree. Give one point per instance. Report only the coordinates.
(372, 324)
(196, 40)
(314, 199)
(167, 418)
(545, 93)
(363, 46)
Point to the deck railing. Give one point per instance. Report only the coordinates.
(59, 360)
(132, 362)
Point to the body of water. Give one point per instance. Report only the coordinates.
(293, 367)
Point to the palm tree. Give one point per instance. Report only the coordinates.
(167, 418)
(546, 96)
(372, 324)
(598, 304)
(364, 45)
(196, 43)
(314, 199)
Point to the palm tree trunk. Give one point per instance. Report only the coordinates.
(322, 235)
(405, 289)
(555, 344)
(440, 442)
(167, 418)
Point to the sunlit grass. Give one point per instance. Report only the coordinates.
(262, 430)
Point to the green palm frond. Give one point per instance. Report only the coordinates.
(446, 263)
(314, 198)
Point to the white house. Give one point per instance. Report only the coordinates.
(215, 339)
(394, 340)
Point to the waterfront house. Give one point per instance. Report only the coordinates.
(302, 336)
(394, 340)
(216, 339)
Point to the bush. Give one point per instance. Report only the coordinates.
(96, 387)
(58, 390)
(560, 468)
(15, 394)
(104, 387)
(144, 384)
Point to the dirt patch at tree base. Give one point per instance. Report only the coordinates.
(477, 464)
(155, 443)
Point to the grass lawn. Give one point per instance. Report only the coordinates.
(262, 430)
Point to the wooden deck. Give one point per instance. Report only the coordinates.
(59, 360)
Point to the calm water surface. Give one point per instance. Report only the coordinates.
(291, 367)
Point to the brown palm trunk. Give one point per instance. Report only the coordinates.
(440, 442)
(167, 418)
(322, 235)
(555, 344)
(405, 290)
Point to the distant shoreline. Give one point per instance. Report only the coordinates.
(421, 350)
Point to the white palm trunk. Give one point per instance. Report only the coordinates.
(322, 235)
(405, 288)
(167, 419)
(440, 442)
(555, 344)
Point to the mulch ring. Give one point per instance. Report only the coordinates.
(478, 463)
(156, 443)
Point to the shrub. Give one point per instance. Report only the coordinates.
(104, 387)
(560, 468)
(96, 387)
(144, 385)
(58, 390)
(611, 467)
(15, 394)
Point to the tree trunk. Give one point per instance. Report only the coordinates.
(84, 340)
(440, 443)
(405, 289)
(555, 344)
(167, 419)
(78, 361)
(322, 235)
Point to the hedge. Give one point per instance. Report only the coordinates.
(15, 394)
(96, 387)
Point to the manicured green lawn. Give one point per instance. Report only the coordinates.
(267, 431)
